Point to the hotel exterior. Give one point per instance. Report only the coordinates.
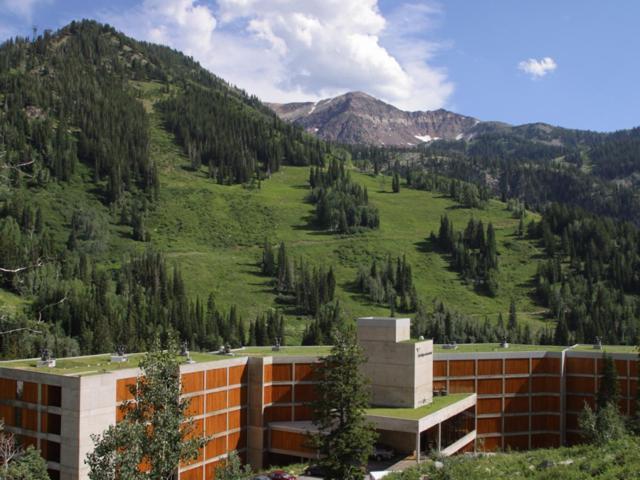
(256, 401)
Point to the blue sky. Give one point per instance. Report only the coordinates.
(573, 63)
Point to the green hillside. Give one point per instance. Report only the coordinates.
(132, 162)
(215, 233)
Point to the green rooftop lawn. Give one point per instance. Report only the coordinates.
(96, 363)
(417, 413)
(607, 348)
(315, 351)
(495, 347)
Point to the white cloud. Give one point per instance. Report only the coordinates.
(538, 68)
(285, 50)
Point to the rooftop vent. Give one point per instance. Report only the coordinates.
(120, 355)
(46, 359)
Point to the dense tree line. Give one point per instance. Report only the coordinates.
(342, 205)
(296, 282)
(267, 329)
(68, 101)
(465, 193)
(446, 325)
(389, 283)
(233, 141)
(589, 279)
(474, 253)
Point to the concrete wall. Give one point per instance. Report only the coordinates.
(399, 370)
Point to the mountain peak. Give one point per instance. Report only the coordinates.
(359, 118)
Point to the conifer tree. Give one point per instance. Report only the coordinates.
(345, 439)
(608, 390)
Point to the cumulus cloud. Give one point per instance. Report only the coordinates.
(538, 68)
(285, 50)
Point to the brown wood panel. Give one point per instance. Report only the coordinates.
(515, 424)
(278, 414)
(489, 405)
(216, 424)
(216, 401)
(7, 389)
(576, 402)
(282, 372)
(281, 393)
(303, 412)
(461, 368)
(192, 382)
(545, 403)
(545, 440)
(439, 368)
(305, 393)
(580, 366)
(29, 419)
(489, 386)
(545, 385)
(516, 385)
(216, 378)
(633, 369)
(216, 447)
(196, 406)
(490, 367)
(267, 395)
(516, 404)
(514, 366)
(439, 385)
(489, 444)
(545, 365)
(191, 474)
(517, 442)
(545, 422)
(306, 372)
(292, 441)
(489, 425)
(573, 438)
(237, 397)
(210, 469)
(580, 385)
(30, 392)
(122, 389)
(237, 419)
(572, 421)
(238, 374)
(461, 386)
(237, 440)
(267, 375)
(7, 415)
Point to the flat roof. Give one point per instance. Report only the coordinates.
(95, 364)
(495, 347)
(300, 351)
(606, 348)
(437, 404)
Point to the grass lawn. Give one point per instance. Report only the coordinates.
(417, 413)
(98, 363)
(495, 347)
(318, 351)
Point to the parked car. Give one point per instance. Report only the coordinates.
(382, 452)
(315, 471)
(260, 477)
(281, 475)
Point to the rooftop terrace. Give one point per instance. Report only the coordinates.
(495, 347)
(301, 351)
(420, 412)
(94, 364)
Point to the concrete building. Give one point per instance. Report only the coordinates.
(256, 401)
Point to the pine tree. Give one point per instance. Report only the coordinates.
(513, 316)
(345, 439)
(395, 183)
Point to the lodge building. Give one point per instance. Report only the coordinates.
(256, 400)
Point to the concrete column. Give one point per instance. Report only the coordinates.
(418, 447)
(440, 437)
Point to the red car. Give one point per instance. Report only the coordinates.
(281, 475)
